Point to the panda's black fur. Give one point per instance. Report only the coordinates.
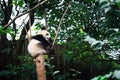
(43, 40)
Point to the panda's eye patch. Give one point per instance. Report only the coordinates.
(47, 34)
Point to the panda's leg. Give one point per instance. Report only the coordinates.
(35, 57)
(41, 53)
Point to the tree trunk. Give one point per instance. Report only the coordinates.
(40, 67)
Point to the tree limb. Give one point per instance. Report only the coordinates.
(25, 13)
(59, 26)
(46, 23)
(29, 38)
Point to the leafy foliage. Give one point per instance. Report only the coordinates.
(112, 75)
(89, 33)
(18, 2)
(9, 31)
(25, 70)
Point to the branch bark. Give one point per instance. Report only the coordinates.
(24, 13)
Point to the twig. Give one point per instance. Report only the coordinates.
(59, 26)
(25, 13)
(46, 23)
(29, 38)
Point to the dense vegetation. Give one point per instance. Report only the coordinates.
(88, 39)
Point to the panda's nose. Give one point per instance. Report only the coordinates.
(48, 38)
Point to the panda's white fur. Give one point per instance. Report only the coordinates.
(40, 44)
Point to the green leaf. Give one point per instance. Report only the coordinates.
(20, 3)
(55, 72)
(14, 2)
(96, 78)
(46, 56)
(103, 78)
(118, 4)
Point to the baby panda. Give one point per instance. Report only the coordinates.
(40, 44)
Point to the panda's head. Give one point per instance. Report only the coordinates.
(45, 33)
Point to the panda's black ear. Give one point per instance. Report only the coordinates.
(43, 28)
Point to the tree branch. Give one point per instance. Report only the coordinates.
(29, 38)
(25, 13)
(59, 26)
(46, 23)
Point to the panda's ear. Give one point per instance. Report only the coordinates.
(43, 28)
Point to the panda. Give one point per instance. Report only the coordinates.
(40, 44)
